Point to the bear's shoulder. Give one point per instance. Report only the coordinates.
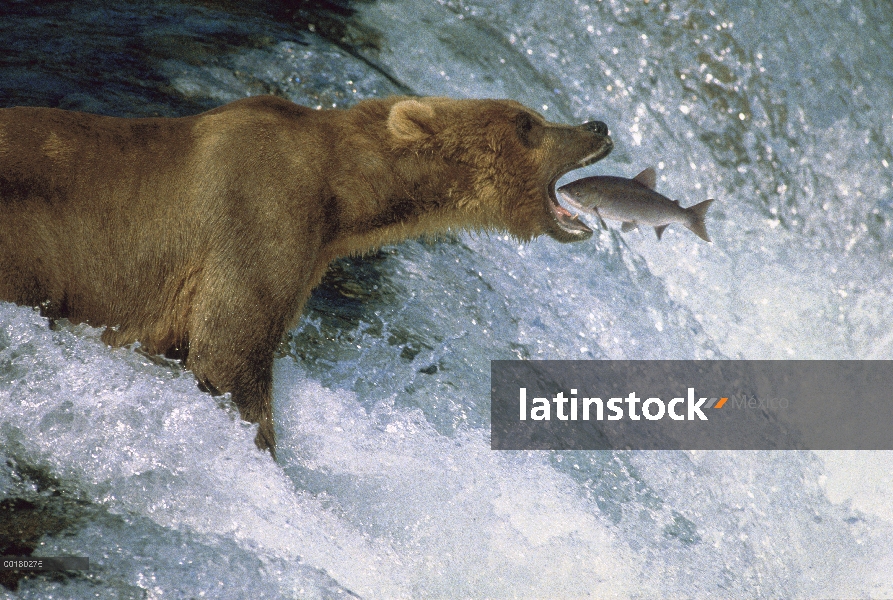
(263, 105)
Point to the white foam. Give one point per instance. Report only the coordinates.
(397, 511)
(464, 520)
(141, 439)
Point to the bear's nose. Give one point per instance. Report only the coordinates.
(596, 127)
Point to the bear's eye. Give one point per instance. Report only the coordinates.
(528, 130)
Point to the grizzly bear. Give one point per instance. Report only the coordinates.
(202, 237)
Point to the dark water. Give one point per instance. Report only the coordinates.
(385, 485)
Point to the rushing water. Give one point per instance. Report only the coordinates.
(385, 485)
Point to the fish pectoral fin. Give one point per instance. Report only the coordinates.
(629, 226)
(659, 231)
(600, 220)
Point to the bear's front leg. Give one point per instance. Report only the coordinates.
(231, 346)
(249, 381)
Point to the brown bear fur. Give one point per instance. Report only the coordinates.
(202, 237)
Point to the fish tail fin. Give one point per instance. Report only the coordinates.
(696, 225)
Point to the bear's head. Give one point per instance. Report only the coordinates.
(495, 162)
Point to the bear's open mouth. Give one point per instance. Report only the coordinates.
(568, 227)
(572, 228)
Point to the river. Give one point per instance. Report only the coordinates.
(385, 485)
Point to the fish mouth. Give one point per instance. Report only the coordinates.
(567, 227)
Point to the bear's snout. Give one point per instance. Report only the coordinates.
(597, 127)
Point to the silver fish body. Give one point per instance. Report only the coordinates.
(634, 202)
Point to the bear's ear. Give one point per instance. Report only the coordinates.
(411, 120)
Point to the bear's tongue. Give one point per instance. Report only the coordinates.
(570, 223)
(563, 212)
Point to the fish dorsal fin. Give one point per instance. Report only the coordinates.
(648, 178)
(629, 226)
(659, 230)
